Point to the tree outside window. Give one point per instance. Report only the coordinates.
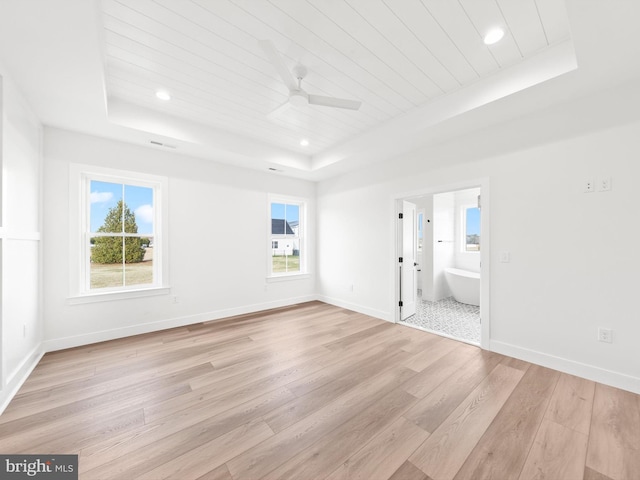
(122, 230)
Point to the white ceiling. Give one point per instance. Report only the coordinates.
(417, 66)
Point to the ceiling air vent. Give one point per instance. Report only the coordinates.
(160, 144)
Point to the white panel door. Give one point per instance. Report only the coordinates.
(409, 292)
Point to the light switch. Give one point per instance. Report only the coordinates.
(505, 257)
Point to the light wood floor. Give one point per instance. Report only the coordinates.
(315, 391)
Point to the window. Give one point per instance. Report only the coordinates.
(471, 223)
(286, 237)
(121, 235)
(120, 245)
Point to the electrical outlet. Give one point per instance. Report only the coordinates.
(176, 299)
(589, 186)
(605, 335)
(604, 184)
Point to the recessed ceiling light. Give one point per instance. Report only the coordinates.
(163, 95)
(493, 36)
(304, 142)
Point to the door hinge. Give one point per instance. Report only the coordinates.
(400, 216)
(400, 259)
(400, 303)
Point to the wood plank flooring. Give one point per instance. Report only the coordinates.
(315, 391)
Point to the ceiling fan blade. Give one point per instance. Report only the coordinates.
(276, 59)
(334, 102)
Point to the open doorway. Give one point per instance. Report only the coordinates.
(442, 280)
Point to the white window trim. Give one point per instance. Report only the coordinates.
(79, 189)
(302, 237)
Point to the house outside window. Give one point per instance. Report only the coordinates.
(286, 224)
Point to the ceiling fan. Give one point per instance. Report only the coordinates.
(293, 80)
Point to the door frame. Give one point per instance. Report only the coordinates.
(485, 252)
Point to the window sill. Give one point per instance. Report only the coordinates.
(289, 277)
(124, 295)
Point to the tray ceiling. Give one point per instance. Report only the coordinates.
(395, 56)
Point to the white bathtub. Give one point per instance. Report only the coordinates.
(464, 285)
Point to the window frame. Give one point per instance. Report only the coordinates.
(80, 234)
(301, 203)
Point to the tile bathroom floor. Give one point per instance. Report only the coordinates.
(447, 317)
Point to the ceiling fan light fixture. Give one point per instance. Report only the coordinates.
(493, 36)
(163, 95)
(298, 98)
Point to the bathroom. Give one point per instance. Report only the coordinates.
(448, 264)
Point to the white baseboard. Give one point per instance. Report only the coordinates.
(382, 315)
(19, 376)
(590, 372)
(112, 334)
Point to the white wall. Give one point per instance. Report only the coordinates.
(208, 204)
(573, 265)
(20, 157)
(443, 243)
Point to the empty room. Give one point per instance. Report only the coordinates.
(309, 239)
